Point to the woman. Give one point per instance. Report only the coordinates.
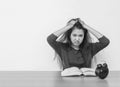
(75, 48)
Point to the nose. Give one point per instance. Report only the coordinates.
(77, 38)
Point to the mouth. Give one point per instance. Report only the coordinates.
(76, 43)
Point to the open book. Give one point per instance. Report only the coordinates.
(75, 71)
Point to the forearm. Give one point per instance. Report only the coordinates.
(61, 31)
(69, 25)
(93, 31)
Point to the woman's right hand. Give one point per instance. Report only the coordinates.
(71, 23)
(68, 26)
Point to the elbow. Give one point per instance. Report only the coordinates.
(51, 39)
(48, 39)
(107, 42)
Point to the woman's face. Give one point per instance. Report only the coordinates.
(77, 36)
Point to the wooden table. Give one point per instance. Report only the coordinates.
(53, 79)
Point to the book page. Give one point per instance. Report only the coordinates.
(72, 71)
(88, 71)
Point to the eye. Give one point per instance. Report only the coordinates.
(74, 35)
(81, 35)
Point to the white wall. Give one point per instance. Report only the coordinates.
(25, 25)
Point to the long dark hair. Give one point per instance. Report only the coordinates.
(83, 46)
(78, 25)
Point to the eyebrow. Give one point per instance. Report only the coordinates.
(79, 34)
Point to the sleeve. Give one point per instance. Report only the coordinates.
(51, 39)
(96, 47)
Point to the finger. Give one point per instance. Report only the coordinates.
(78, 19)
(82, 22)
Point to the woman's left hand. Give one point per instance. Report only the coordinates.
(82, 22)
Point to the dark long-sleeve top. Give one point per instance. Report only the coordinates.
(71, 57)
